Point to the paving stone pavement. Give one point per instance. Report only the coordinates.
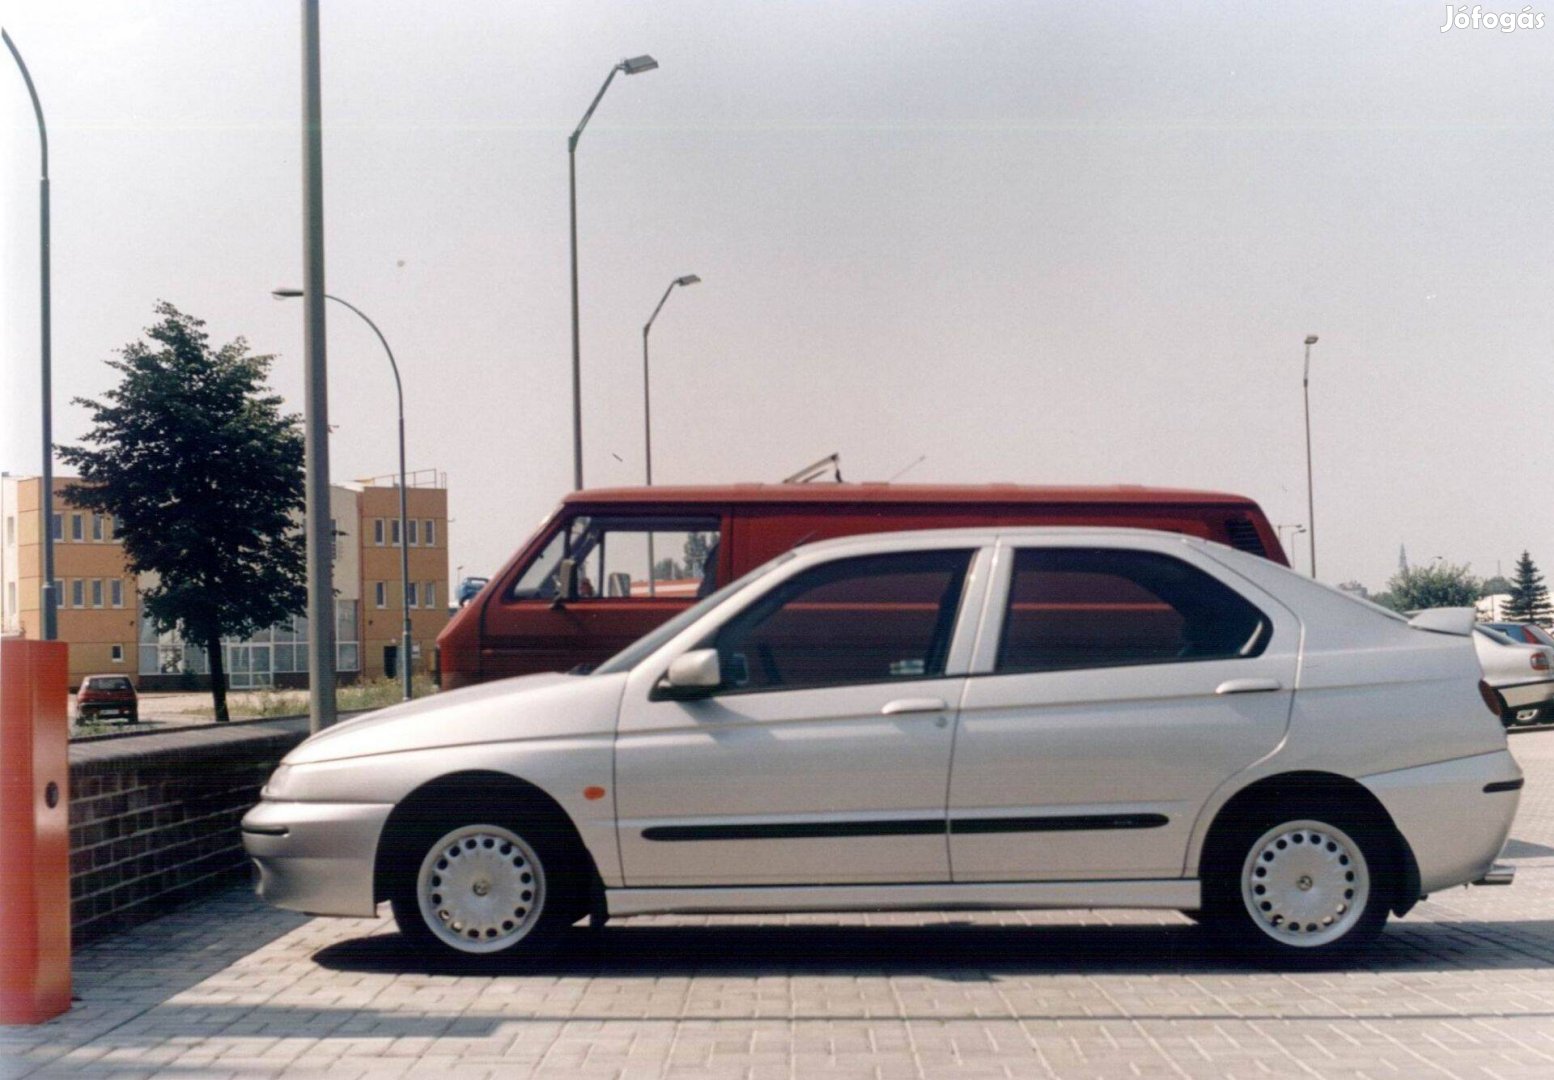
(1463, 987)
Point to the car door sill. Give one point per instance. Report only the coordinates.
(1175, 893)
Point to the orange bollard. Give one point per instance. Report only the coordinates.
(34, 831)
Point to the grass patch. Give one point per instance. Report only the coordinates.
(268, 704)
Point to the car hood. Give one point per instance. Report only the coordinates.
(528, 707)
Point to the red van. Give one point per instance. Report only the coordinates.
(610, 565)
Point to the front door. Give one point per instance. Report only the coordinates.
(1122, 688)
(824, 759)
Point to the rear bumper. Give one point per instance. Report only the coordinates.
(1527, 694)
(317, 858)
(1455, 814)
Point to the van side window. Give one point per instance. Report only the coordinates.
(1074, 608)
(627, 558)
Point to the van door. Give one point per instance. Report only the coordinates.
(634, 571)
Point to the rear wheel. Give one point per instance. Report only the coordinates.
(482, 889)
(1303, 889)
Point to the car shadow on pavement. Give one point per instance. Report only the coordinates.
(946, 951)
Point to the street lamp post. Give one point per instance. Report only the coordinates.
(1295, 530)
(1311, 508)
(404, 530)
(634, 66)
(647, 409)
(47, 600)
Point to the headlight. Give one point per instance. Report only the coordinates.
(277, 784)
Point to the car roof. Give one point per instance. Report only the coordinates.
(976, 494)
(984, 535)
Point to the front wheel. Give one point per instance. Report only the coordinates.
(480, 889)
(1307, 889)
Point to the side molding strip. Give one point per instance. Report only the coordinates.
(809, 830)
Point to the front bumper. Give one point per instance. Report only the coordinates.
(316, 858)
(1455, 814)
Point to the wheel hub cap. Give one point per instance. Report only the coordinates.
(1305, 883)
(480, 888)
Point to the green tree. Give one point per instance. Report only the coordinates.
(203, 474)
(1529, 600)
(1441, 584)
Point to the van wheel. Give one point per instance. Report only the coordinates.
(1303, 890)
(481, 890)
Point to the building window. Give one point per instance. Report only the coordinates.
(10, 531)
(429, 594)
(429, 531)
(377, 531)
(410, 596)
(334, 548)
(59, 526)
(97, 592)
(411, 525)
(59, 592)
(10, 597)
(97, 527)
(77, 527)
(118, 654)
(77, 593)
(110, 533)
(394, 531)
(116, 592)
(380, 593)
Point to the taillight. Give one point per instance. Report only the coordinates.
(1539, 661)
(1491, 697)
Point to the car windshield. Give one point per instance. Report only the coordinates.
(633, 654)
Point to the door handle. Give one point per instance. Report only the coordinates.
(1248, 686)
(913, 705)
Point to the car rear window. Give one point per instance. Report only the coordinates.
(112, 682)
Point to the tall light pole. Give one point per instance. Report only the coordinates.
(47, 600)
(1295, 530)
(315, 409)
(636, 65)
(404, 531)
(647, 410)
(647, 407)
(1311, 506)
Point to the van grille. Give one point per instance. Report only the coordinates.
(1243, 537)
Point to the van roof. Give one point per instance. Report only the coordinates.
(829, 493)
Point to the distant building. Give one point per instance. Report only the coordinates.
(98, 599)
(1355, 588)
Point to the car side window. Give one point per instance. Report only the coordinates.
(876, 618)
(1074, 608)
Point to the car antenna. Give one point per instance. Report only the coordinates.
(902, 472)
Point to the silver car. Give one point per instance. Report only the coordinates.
(1018, 718)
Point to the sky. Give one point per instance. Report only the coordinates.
(1047, 243)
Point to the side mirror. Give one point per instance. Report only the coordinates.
(566, 583)
(696, 674)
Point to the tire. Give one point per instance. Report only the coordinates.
(1297, 889)
(481, 890)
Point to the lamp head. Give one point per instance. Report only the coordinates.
(1311, 339)
(284, 293)
(638, 64)
(688, 279)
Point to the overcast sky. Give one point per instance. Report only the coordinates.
(1035, 242)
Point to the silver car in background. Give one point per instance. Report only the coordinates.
(962, 719)
(1521, 674)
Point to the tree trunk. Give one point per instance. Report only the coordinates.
(218, 679)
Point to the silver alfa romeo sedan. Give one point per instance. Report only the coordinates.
(963, 719)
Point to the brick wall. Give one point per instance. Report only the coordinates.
(154, 818)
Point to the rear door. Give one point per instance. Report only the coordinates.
(1113, 691)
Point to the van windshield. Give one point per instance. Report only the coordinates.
(633, 654)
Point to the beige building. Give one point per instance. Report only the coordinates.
(98, 600)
